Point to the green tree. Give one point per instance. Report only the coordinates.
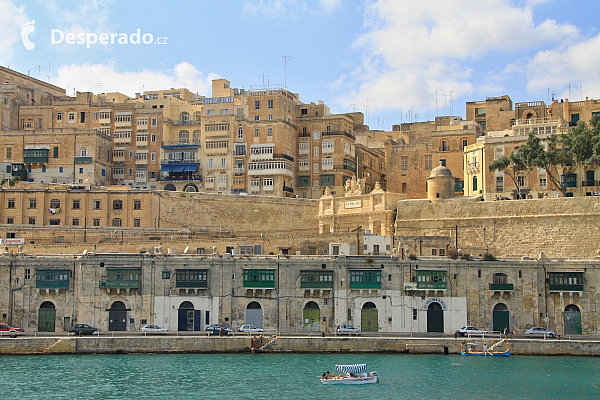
(514, 166)
(583, 142)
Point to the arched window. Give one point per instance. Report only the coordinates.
(196, 136)
(184, 137)
(184, 118)
(474, 183)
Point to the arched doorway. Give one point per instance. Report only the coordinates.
(369, 318)
(46, 317)
(171, 187)
(188, 318)
(435, 317)
(117, 317)
(572, 320)
(500, 318)
(311, 317)
(254, 314)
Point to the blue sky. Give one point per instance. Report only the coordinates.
(392, 58)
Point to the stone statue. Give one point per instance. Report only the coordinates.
(355, 187)
(327, 191)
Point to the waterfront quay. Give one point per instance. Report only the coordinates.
(142, 344)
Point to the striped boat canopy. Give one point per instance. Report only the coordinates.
(353, 368)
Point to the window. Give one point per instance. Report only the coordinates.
(96, 222)
(192, 278)
(32, 203)
(316, 151)
(55, 222)
(96, 205)
(270, 103)
(82, 117)
(81, 170)
(262, 278)
(224, 110)
(428, 163)
(166, 274)
(257, 117)
(153, 156)
(55, 152)
(327, 145)
(315, 168)
(327, 163)
(257, 104)
(316, 135)
(76, 204)
(10, 203)
(269, 131)
(543, 180)
(365, 279)
(10, 220)
(59, 116)
(54, 203)
(304, 111)
(154, 121)
(270, 117)
(404, 163)
(130, 153)
(256, 133)
(75, 221)
(117, 205)
(136, 222)
(116, 222)
(444, 145)
(464, 144)
(223, 162)
(9, 152)
(27, 273)
(240, 133)
(71, 117)
(31, 221)
(137, 204)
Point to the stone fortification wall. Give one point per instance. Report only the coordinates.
(559, 227)
(242, 214)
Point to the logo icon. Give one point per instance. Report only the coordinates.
(25, 31)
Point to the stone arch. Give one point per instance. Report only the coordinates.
(500, 317)
(435, 317)
(311, 317)
(171, 187)
(117, 316)
(254, 314)
(369, 317)
(188, 318)
(572, 320)
(190, 188)
(184, 118)
(47, 317)
(184, 137)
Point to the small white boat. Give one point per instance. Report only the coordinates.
(354, 374)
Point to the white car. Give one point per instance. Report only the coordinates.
(469, 330)
(539, 331)
(153, 328)
(250, 328)
(347, 329)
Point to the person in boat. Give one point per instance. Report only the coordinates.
(328, 376)
(324, 375)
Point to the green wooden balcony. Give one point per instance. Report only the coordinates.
(566, 287)
(64, 284)
(432, 285)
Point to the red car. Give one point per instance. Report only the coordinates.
(12, 332)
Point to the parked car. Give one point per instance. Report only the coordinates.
(82, 329)
(216, 329)
(10, 331)
(539, 331)
(469, 330)
(153, 328)
(347, 329)
(250, 328)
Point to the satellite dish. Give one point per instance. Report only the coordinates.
(186, 249)
(84, 252)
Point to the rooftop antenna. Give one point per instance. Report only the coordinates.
(367, 110)
(436, 104)
(99, 84)
(451, 103)
(285, 58)
(580, 94)
(263, 79)
(570, 86)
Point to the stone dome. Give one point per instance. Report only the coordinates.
(440, 172)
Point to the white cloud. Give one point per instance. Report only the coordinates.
(83, 16)
(556, 69)
(329, 5)
(103, 78)
(11, 20)
(273, 8)
(411, 49)
(289, 8)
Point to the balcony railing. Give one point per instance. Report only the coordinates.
(180, 144)
(182, 122)
(58, 284)
(83, 159)
(340, 133)
(432, 285)
(183, 161)
(120, 284)
(589, 183)
(241, 170)
(566, 287)
(501, 286)
(284, 156)
(288, 189)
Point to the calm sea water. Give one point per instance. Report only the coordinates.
(295, 376)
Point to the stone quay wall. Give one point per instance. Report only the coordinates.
(203, 344)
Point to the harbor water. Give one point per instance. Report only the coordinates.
(296, 376)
